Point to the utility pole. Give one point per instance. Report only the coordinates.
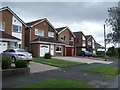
(105, 41)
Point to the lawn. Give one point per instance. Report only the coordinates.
(55, 62)
(56, 83)
(106, 71)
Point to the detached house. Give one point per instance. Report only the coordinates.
(40, 38)
(90, 43)
(11, 30)
(80, 42)
(65, 36)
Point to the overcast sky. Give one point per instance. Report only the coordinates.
(87, 17)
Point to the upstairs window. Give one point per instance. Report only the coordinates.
(17, 28)
(71, 38)
(39, 32)
(63, 38)
(51, 34)
(2, 26)
(78, 40)
(89, 42)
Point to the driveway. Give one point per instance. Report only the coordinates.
(87, 60)
(38, 67)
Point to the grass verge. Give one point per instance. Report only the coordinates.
(106, 71)
(56, 83)
(55, 62)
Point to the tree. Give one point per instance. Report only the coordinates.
(114, 22)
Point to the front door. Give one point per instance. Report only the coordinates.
(52, 49)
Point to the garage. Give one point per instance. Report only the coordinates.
(43, 49)
(3, 46)
(68, 51)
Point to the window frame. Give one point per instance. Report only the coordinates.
(19, 28)
(50, 34)
(36, 32)
(2, 26)
(60, 48)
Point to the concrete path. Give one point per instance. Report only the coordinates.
(38, 67)
(84, 60)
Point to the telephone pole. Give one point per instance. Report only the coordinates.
(105, 42)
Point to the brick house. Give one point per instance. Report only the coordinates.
(11, 30)
(40, 38)
(65, 36)
(80, 42)
(90, 43)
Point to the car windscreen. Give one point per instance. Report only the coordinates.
(21, 51)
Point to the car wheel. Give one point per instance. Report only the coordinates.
(13, 59)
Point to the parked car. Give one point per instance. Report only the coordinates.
(85, 53)
(18, 54)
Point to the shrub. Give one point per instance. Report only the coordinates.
(21, 64)
(100, 53)
(94, 55)
(47, 56)
(6, 62)
(111, 52)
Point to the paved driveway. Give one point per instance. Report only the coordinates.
(87, 60)
(38, 67)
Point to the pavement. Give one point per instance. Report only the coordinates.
(69, 73)
(88, 60)
(38, 67)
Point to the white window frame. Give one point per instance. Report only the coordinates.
(51, 34)
(60, 48)
(2, 26)
(37, 32)
(71, 39)
(64, 38)
(19, 28)
(89, 43)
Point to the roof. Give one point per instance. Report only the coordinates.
(34, 22)
(7, 8)
(61, 29)
(78, 33)
(46, 39)
(97, 45)
(87, 36)
(7, 36)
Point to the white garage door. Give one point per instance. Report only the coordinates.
(52, 49)
(3, 46)
(44, 49)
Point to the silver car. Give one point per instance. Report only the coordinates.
(18, 54)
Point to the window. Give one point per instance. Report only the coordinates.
(11, 50)
(17, 28)
(78, 40)
(50, 34)
(58, 48)
(39, 32)
(2, 26)
(71, 39)
(89, 43)
(63, 38)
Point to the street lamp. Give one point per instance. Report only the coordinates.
(105, 42)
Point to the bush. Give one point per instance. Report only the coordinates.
(6, 62)
(21, 64)
(47, 56)
(111, 52)
(100, 53)
(94, 55)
